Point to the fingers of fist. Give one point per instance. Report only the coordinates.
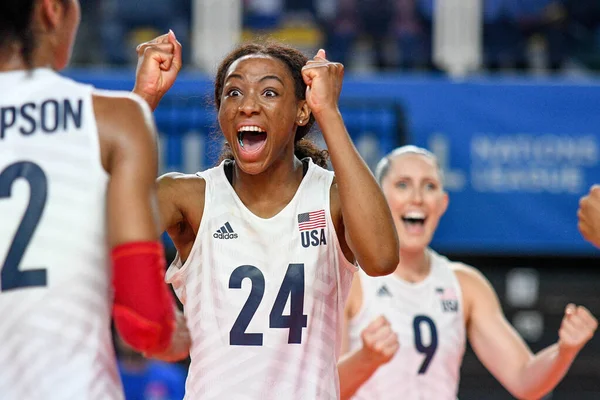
(163, 53)
(577, 327)
(314, 67)
(380, 340)
(319, 65)
(165, 50)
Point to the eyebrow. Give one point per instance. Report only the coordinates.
(264, 78)
(408, 178)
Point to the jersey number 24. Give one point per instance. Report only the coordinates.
(292, 287)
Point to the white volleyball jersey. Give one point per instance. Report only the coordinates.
(55, 295)
(264, 298)
(428, 318)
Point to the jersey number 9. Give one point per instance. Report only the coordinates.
(428, 350)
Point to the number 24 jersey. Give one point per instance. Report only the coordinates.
(264, 298)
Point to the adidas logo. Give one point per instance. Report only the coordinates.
(225, 232)
(384, 291)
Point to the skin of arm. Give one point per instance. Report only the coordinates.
(504, 353)
(369, 228)
(380, 344)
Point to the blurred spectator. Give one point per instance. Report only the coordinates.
(583, 28)
(502, 42)
(382, 23)
(145, 379)
(542, 26)
(408, 31)
(338, 21)
(262, 14)
(126, 23)
(527, 35)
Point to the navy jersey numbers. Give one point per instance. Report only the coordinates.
(12, 277)
(292, 287)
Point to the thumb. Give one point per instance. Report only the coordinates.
(177, 62)
(321, 54)
(570, 309)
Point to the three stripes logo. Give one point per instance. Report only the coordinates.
(225, 232)
(384, 291)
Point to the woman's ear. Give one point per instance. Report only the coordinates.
(303, 114)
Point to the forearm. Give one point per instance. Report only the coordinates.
(354, 370)
(543, 372)
(152, 101)
(367, 218)
(181, 342)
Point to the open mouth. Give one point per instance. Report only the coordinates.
(251, 138)
(414, 219)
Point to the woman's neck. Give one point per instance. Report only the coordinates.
(12, 59)
(268, 192)
(414, 266)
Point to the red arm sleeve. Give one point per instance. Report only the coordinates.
(143, 308)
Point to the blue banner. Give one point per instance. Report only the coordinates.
(517, 154)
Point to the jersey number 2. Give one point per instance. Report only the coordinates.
(292, 287)
(430, 349)
(10, 274)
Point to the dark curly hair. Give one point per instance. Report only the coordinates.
(15, 26)
(294, 60)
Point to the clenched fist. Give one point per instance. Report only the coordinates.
(589, 216)
(324, 83)
(577, 328)
(380, 343)
(159, 62)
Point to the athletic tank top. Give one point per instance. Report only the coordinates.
(428, 319)
(264, 298)
(55, 294)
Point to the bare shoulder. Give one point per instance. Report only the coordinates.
(470, 278)
(123, 108)
(180, 183)
(477, 291)
(467, 273)
(125, 125)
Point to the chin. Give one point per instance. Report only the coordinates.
(413, 244)
(254, 167)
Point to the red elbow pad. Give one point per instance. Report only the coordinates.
(143, 308)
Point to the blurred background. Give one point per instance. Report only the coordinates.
(504, 92)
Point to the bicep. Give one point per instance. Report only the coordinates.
(495, 342)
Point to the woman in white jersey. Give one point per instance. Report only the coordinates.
(405, 333)
(77, 191)
(267, 240)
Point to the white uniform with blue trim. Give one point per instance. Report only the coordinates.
(55, 291)
(428, 318)
(264, 298)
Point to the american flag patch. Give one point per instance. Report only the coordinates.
(446, 293)
(311, 220)
(448, 299)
